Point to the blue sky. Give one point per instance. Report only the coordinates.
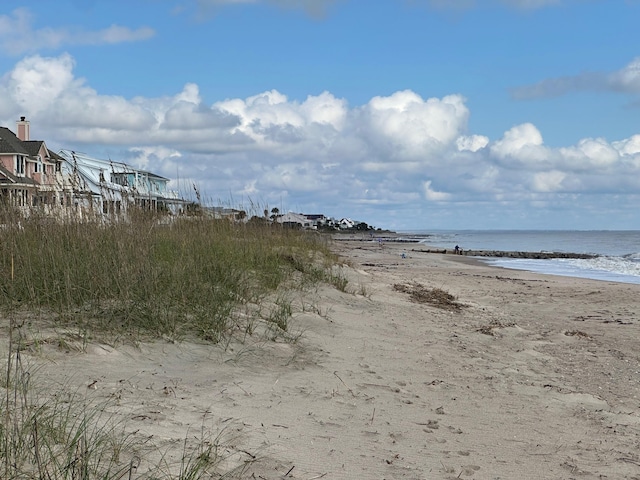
(405, 114)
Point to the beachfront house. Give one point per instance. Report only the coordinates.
(318, 220)
(346, 224)
(107, 187)
(30, 174)
(294, 220)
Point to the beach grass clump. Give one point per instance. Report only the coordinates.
(57, 434)
(147, 277)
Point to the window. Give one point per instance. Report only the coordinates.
(38, 166)
(20, 165)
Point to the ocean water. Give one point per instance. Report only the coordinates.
(618, 251)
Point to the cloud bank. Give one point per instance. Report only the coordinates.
(391, 155)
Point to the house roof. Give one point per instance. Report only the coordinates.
(55, 156)
(7, 177)
(9, 143)
(291, 217)
(33, 146)
(111, 166)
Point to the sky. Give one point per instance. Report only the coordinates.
(405, 114)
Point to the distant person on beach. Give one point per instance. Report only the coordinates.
(457, 250)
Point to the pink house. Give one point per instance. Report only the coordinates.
(29, 173)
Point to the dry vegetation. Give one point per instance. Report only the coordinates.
(435, 297)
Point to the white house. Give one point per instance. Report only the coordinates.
(291, 219)
(108, 187)
(346, 223)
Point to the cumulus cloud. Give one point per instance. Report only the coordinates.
(629, 146)
(18, 36)
(625, 80)
(403, 126)
(393, 152)
(521, 145)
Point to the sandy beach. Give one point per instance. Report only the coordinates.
(520, 376)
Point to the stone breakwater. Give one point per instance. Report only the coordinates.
(508, 254)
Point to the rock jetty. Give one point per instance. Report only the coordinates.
(508, 254)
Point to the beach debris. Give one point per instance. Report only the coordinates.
(577, 333)
(433, 296)
(490, 329)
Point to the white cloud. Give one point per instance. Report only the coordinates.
(589, 154)
(628, 147)
(625, 80)
(548, 181)
(36, 82)
(521, 145)
(17, 35)
(432, 195)
(471, 143)
(403, 126)
(147, 157)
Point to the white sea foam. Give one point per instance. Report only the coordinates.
(614, 269)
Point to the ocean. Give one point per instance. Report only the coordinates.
(618, 251)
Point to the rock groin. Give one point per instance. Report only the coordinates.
(509, 254)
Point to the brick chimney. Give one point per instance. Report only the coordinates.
(23, 129)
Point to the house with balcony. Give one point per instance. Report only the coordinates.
(107, 187)
(30, 173)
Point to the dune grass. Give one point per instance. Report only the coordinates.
(149, 278)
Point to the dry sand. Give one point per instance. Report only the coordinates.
(534, 377)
